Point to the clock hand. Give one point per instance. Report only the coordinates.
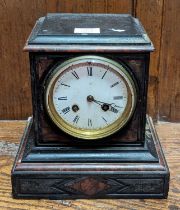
(105, 106)
(98, 102)
(112, 104)
(90, 98)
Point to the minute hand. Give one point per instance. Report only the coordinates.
(101, 103)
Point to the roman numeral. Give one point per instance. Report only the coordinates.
(104, 75)
(89, 70)
(62, 98)
(66, 110)
(75, 74)
(116, 83)
(89, 123)
(104, 120)
(112, 109)
(76, 119)
(117, 97)
(65, 85)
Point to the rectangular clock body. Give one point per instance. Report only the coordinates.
(46, 131)
(50, 45)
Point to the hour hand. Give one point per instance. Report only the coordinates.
(104, 106)
(90, 98)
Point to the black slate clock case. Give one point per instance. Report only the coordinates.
(52, 164)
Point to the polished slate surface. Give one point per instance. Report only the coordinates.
(58, 24)
(59, 28)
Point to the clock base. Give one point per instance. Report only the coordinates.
(40, 177)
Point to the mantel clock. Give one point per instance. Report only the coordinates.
(89, 136)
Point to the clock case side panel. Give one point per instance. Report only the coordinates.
(142, 72)
(47, 133)
(138, 65)
(34, 93)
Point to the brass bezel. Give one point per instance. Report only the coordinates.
(88, 134)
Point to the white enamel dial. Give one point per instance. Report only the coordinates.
(90, 97)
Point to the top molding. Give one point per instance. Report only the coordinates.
(60, 32)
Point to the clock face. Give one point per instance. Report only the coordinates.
(90, 97)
